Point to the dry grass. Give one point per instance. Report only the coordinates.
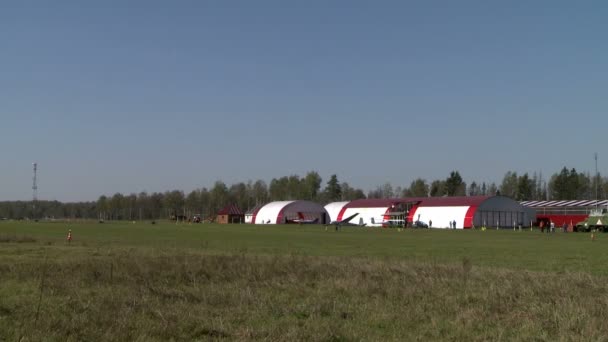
(139, 295)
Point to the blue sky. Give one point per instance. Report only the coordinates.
(126, 96)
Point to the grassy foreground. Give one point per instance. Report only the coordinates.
(208, 282)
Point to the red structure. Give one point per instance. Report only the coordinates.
(564, 211)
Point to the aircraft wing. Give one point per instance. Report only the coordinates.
(346, 220)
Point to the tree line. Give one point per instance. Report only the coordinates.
(566, 184)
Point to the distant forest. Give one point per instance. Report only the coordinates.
(566, 184)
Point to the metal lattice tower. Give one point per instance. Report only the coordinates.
(597, 180)
(35, 190)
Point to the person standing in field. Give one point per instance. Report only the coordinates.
(69, 238)
(542, 226)
(430, 223)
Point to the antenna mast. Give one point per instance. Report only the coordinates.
(597, 179)
(35, 191)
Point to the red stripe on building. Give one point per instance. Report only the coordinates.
(280, 216)
(341, 214)
(468, 217)
(412, 214)
(255, 213)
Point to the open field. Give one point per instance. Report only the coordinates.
(125, 281)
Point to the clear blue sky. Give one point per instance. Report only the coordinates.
(126, 96)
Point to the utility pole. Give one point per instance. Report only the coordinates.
(597, 180)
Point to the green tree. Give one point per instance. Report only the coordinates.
(218, 197)
(509, 185)
(387, 190)
(239, 195)
(492, 190)
(192, 203)
(143, 206)
(260, 192)
(438, 188)
(418, 188)
(156, 204)
(102, 207)
(474, 189)
(294, 188)
(454, 185)
(174, 203)
(333, 191)
(311, 184)
(525, 188)
(564, 185)
(115, 206)
(278, 189)
(350, 194)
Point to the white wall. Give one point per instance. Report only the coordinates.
(270, 212)
(441, 216)
(366, 214)
(333, 209)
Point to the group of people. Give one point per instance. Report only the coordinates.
(550, 227)
(453, 224)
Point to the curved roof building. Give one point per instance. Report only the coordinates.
(467, 211)
(286, 211)
(334, 208)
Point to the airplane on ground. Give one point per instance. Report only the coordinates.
(346, 222)
(394, 222)
(302, 220)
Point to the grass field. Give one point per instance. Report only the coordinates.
(125, 281)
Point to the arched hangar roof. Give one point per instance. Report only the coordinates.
(465, 210)
(372, 212)
(278, 212)
(471, 210)
(333, 209)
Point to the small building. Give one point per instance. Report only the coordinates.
(230, 214)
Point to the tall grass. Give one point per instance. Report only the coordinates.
(132, 294)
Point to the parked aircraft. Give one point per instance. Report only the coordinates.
(393, 222)
(303, 220)
(346, 221)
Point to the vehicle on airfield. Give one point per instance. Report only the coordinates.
(597, 220)
(393, 222)
(420, 224)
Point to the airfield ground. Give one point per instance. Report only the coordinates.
(138, 281)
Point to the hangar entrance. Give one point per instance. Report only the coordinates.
(397, 214)
(499, 219)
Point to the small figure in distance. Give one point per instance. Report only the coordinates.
(542, 226)
(69, 238)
